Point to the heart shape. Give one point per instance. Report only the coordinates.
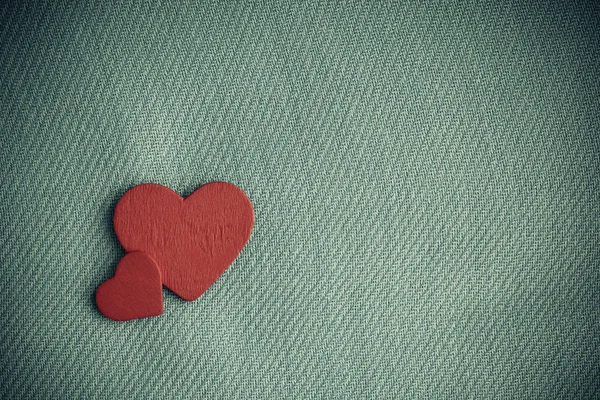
(134, 292)
(192, 240)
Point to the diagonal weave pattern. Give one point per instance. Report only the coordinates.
(426, 181)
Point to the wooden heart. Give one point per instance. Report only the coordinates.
(134, 292)
(192, 240)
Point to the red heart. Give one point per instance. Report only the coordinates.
(193, 241)
(134, 292)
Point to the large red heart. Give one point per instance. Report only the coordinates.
(134, 292)
(192, 240)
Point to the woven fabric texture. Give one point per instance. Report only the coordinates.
(425, 176)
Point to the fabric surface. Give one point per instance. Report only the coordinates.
(426, 181)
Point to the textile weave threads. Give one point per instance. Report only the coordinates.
(425, 181)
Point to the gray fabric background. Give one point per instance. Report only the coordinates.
(426, 180)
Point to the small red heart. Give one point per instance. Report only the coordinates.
(193, 241)
(134, 292)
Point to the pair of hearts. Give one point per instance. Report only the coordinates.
(183, 244)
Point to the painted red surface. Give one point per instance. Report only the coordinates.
(192, 240)
(134, 292)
